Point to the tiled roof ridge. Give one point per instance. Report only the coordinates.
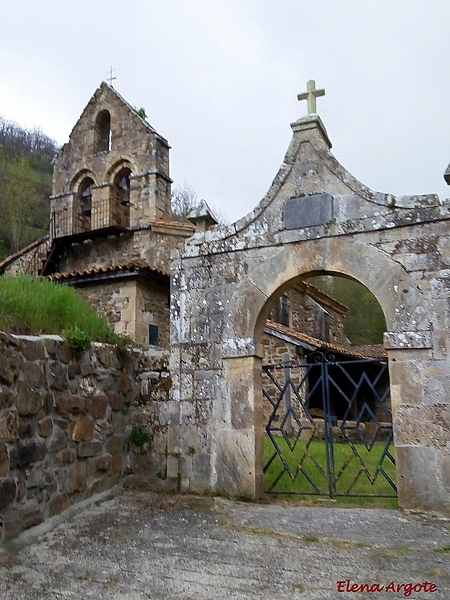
(370, 351)
(130, 266)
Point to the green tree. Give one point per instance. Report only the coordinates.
(365, 322)
(19, 201)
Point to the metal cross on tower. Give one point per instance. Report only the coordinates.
(111, 78)
(311, 96)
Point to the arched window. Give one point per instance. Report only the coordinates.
(103, 137)
(122, 183)
(84, 204)
(85, 193)
(122, 195)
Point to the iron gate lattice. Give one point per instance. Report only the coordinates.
(329, 431)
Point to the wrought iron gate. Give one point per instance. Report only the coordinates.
(329, 428)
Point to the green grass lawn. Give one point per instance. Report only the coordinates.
(352, 478)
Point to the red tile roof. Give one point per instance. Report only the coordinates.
(133, 266)
(361, 352)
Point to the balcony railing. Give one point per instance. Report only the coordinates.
(104, 215)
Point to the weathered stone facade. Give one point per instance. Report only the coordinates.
(316, 218)
(65, 420)
(110, 141)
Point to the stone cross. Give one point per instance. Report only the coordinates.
(311, 96)
(111, 78)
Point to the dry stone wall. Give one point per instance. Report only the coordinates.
(65, 421)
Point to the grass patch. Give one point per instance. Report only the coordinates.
(34, 306)
(307, 538)
(365, 483)
(393, 552)
(443, 550)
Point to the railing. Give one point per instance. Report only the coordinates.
(104, 214)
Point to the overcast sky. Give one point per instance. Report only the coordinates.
(219, 79)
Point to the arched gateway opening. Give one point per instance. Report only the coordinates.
(326, 402)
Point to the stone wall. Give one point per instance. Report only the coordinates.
(65, 420)
(130, 306)
(151, 246)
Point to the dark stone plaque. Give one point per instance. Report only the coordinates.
(308, 211)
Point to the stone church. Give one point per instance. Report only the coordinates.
(112, 233)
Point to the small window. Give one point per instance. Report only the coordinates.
(103, 136)
(281, 313)
(153, 335)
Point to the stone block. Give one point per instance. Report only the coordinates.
(29, 401)
(118, 422)
(420, 477)
(36, 479)
(58, 376)
(16, 521)
(57, 441)
(33, 350)
(104, 356)
(65, 457)
(114, 445)
(7, 492)
(7, 399)
(73, 370)
(27, 427)
(69, 404)
(117, 464)
(58, 504)
(98, 407)
(4, 460)
(82, 430)
(48, 403)
(172, 466)
(45, 427)
(9, 424)
(33, 374)
(89, 388)
(124, 383)
(87, 449)
(100, 464)
(116, 401)
(408, 339)
(76, 481)
(87, 369)
(9, 366)
(28, 452)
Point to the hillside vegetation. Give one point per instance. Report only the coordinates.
(26, 170)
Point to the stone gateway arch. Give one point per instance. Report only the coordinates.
(316, 218)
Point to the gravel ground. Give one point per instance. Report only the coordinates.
(139, 545)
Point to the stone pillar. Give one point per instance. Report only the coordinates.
(420, 381)
(238, 423)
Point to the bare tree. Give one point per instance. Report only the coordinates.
(185, 198)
